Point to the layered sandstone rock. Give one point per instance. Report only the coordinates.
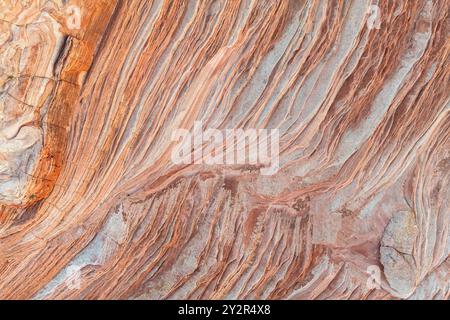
(93, 206)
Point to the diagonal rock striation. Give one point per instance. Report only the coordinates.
(93, 205)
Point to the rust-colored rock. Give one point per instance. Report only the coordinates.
(93, 205)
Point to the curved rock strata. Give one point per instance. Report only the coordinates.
(93, 206)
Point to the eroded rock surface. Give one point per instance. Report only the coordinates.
(30, 44)
(93, 206)
(396, 251)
